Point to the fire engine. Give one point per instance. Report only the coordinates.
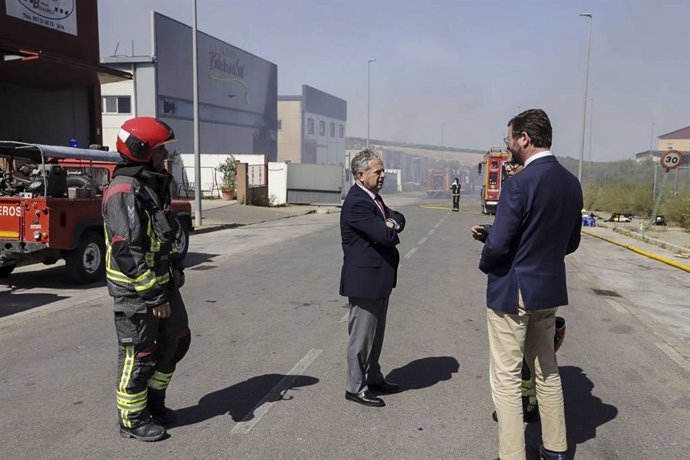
(50, 208)
(494, 174)
(438, 183)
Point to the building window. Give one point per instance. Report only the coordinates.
(332, 129)
(310, 126)
(342, 131)
(322, 128)
(117, 104)
(280, 125)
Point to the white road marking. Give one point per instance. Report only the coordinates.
(255, 415)
(616, 306)
(422, 241)
(344, 318)
(674, 355)
(431, 232)
(409, 254)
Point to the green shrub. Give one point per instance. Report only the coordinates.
(677, 209)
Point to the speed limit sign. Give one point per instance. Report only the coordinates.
(671, 159)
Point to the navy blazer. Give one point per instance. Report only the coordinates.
(537, 223)
(370, 259)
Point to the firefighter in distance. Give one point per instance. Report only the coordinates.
(455, 188)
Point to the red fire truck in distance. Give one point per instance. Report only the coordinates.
(493, 176)
(438, 183)
(50, 208)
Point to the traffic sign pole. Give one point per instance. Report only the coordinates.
(669, 160)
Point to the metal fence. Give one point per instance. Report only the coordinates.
(256, 175)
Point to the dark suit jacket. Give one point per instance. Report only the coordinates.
(370, 259)
(537, 223)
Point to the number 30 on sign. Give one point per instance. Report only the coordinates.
(671, 159)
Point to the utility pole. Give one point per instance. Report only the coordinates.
(197, 151)
(584, 109)
(369, 96)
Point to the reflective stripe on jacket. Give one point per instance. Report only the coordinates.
(137, 258)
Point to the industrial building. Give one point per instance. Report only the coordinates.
(312, 128)
(50, 74)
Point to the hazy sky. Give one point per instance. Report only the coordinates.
(459, 67)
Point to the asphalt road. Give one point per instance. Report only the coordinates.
(264, 378)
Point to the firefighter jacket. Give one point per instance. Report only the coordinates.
(140, 230)
(455, 188)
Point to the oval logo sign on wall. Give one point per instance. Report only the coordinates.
(50, 9)
(671, 159)
(60, 15)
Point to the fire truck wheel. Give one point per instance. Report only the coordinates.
(6, 270)
(86, 263)
(182, 245)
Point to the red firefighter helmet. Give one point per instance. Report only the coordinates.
(139, 136)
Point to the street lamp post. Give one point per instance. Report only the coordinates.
(591, 121)
(443, 127)
(584, 110)
(369, 61)
(197, 150)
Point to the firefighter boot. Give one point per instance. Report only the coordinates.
(156, 405)
(148, 431)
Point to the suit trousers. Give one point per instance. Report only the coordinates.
(528, 333)
(366, 327)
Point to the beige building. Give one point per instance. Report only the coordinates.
(311, 128)
(676, 140)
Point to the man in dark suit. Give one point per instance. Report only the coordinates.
(369, 232)
(537, 223)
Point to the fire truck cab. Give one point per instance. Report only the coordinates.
(493, 176)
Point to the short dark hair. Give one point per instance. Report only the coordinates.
(536, 124)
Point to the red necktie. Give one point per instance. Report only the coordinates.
(380, 204)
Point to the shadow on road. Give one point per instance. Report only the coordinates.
(11, 303)
(584, 412)
(424, 372)
(197, 258)
(41, 277)
(240, 399)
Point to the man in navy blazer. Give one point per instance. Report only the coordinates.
(369, 232)
(537, 223)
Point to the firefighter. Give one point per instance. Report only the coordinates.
(455, 189)
(144, 275)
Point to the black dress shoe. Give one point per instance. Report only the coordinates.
(385, 387)
(545, 454)
(366, 398)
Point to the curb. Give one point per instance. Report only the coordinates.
(214, 228)
(640, 251)
(218, 227)
(645, 239)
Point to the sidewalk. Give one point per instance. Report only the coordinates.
(656, 247)
(220, 214)
(674, 239)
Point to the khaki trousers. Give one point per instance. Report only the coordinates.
(512, 336)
